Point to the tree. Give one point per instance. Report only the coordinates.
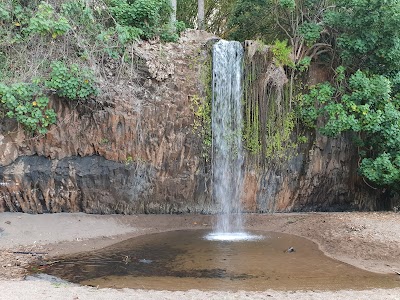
(216, 12)
(364, 100)
(251, 19)
(299, 22)
(364, 105)
(173, 13)
(200, 14)
(303, 24)
(368, 35)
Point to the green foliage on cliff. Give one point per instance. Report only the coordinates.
(146, 18)
(68, 47)
(363, 99)
(71, 82)
(281, 53)
(202, 122)
(46, 22)
(268, 120)
(367, 108)
(28, 105)
(201, 106)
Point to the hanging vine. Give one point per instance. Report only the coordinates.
(269, 121)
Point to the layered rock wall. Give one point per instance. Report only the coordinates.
(134, 150)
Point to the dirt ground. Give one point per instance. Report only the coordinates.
(366, 240)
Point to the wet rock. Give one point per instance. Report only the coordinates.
(290, 250)
(145, 261)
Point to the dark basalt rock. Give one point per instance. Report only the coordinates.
(89, 184)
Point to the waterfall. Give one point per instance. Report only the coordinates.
(227, 156)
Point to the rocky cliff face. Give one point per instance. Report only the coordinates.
(134, 151)
(319, 175)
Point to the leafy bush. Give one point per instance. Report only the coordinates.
(310, 104)
(13, 20)
(287, 4)
(383, 170)
(304, 64)
(282, 53)
(151, 17)
(367, 33)
(310, 32)
(78, 11)
(71, 82)
(367, 108)
(27, 104)
(180, 27)
(4, 13)
(128, 33)
(45, 21)
(250, 20)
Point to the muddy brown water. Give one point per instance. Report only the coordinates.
(183, 260)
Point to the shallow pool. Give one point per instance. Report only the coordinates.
(183, 260)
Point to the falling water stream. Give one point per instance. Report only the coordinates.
(227, 156)
(227, 152)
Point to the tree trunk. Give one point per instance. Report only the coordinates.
(173, 14)
(200, 15)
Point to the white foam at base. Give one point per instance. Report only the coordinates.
(232, 236)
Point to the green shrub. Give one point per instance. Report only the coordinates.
(79, 12)
(304, 64)
(26, 103)
(282, 53)
(288, 4)
(368, 109)
(310, 32)
(4, 13)
(151, 17)
(46, 21)
(74, 82)
(128, 34)
(180, 26)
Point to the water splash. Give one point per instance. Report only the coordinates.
(227, 134)
(232, 237)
